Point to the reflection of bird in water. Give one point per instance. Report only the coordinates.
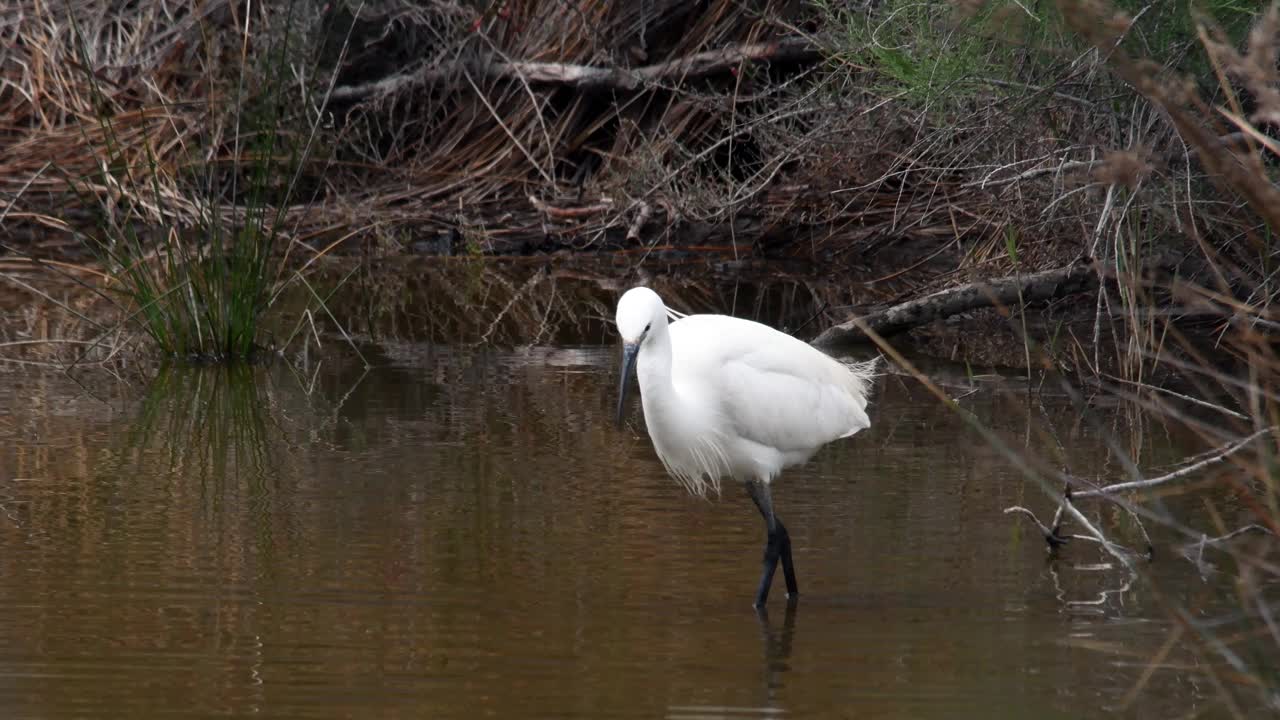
(777, 648)
(777, 658)
(724, 396)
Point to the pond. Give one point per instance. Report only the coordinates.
(463, 532)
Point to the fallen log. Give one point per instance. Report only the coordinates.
(591, 77)
(1080, 276)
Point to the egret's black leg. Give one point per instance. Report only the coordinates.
(777, 544)
(788, 569)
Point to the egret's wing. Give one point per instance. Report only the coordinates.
(792, 397)
(767, 386)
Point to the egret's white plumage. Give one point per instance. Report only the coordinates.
(726, 397)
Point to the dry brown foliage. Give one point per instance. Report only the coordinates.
(725, 134)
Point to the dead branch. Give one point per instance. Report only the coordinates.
(1051, 536)
(1054, 539)
(1206, 541)
(1119, 552)
(1080, 276)
(1223, 453)
(590, 77)
(576, 212)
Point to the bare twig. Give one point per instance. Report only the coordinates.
(1033, 173)
(1223, 453)
(1181, 396)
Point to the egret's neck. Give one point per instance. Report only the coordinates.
(654, 368)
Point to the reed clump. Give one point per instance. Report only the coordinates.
(171, 144)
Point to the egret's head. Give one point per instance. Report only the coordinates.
(640, 311)
(640, 316)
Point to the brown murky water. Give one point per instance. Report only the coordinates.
(461, 534)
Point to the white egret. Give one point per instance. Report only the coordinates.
(727, 397)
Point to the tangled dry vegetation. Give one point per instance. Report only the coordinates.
(770, 127)
(535, 125)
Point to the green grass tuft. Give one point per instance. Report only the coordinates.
(195, 250)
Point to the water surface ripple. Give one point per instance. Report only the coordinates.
(465, 534)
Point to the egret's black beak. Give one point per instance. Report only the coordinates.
(629, 352)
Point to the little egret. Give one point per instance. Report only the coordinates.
(727, 397)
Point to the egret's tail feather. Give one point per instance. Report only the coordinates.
(858, 377)
(862, 373)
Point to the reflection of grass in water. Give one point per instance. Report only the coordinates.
(208, 418)
(513, 303)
